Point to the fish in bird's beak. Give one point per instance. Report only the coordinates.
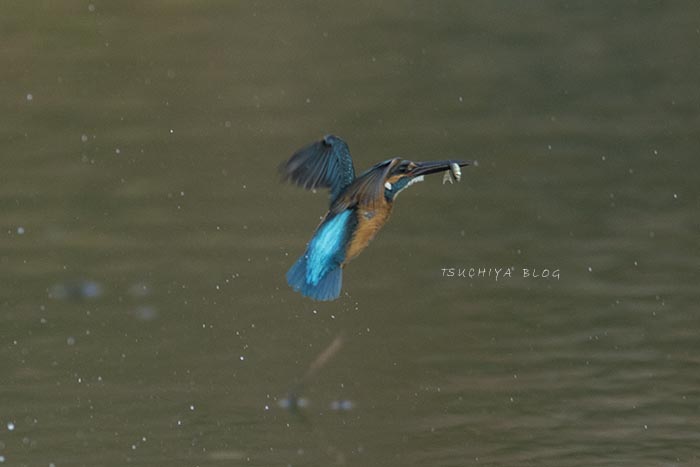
(451, 168)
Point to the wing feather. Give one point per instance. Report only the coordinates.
(322, 164)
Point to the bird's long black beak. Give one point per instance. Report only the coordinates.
(427, 168)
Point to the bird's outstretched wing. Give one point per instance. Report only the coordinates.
(368, 189)
(323, 164)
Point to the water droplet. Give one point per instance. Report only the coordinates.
(139, 289)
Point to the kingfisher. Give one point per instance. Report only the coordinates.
(359, 207)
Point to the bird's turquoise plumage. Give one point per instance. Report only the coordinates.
(318, 273)
(327, 247)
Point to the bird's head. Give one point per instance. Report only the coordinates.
(402, 173)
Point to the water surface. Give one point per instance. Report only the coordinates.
(144, 315)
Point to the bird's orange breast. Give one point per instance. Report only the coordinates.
(369, 221)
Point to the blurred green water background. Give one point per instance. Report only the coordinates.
(144, 315)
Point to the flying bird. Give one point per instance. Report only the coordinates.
(359, 207)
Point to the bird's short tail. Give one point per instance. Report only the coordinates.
(327, 288)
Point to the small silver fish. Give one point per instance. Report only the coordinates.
(455, 171)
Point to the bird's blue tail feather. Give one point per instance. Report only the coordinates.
(327, 288)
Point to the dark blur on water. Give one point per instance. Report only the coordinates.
(144, 315)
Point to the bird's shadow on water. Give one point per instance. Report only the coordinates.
(294, 402)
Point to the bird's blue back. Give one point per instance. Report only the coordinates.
(318, 273)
